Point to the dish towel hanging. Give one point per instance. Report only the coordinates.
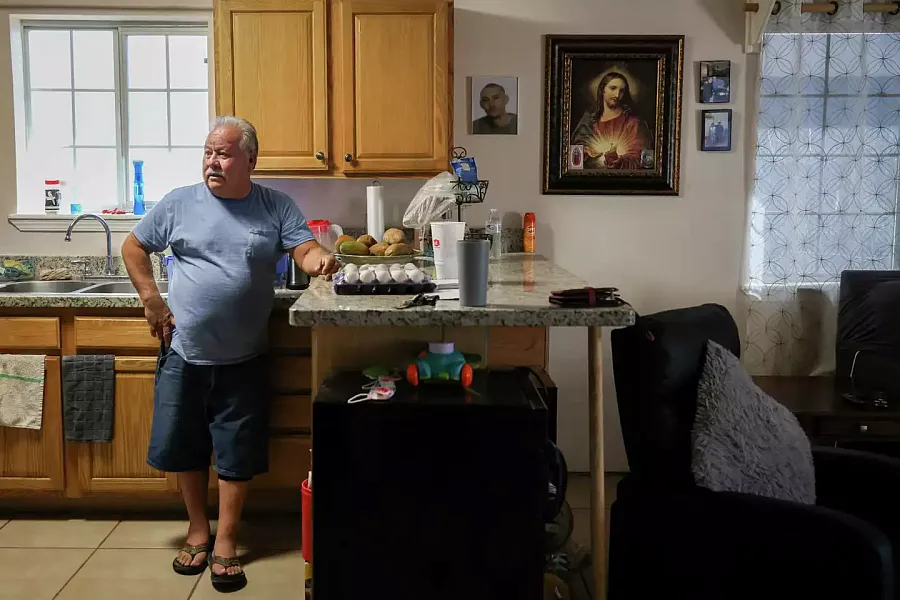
(88, 397)
(21, 390)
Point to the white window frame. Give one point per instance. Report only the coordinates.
(121, 30)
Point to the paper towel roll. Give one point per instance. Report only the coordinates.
(375, 211)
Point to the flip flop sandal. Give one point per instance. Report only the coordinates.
(226, 582)
(193, 551)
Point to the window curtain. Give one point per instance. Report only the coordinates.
(825, 189)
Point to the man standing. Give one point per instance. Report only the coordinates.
(496, 120)
(226, 235)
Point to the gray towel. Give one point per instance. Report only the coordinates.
(88, 397)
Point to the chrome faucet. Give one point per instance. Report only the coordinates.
(109, 260)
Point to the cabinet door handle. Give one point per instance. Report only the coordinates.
(863, 428)
(320, 156)
(348, 157)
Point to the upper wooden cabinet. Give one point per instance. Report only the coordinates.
(271, 70)
(375, 100)
(392, 91)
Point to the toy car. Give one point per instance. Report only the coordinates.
(440, 363)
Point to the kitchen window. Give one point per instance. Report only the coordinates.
(98, 96)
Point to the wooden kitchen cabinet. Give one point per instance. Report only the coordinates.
(120, 466)
(376, 99)
(392, 85)
(33, 459)
(271, 70)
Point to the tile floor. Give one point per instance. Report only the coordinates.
(104, 560)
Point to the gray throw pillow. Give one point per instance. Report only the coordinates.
(743, 440)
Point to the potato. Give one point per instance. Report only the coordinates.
(398, 250)
(393, 236)
(354, 248)
(378, 249)
(341, 240)
(367, 239)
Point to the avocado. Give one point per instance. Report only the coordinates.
(354, 248)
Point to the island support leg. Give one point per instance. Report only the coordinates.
(598, 479)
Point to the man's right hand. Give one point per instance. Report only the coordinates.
(160, 319)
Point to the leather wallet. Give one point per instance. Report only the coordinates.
(586, 298)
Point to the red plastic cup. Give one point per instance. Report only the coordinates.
(306, 507)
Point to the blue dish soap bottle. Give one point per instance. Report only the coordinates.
(139, 208)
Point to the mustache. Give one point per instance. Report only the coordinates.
(214, 172)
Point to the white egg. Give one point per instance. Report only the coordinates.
(351, 277)
(416, 276)
(367, 276)
(410, 267)
(380, 267)
(400, 276)
(383, 276)
(367, 268)
(350, 267)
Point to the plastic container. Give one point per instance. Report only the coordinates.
(52, 196)
(325, 233)
(530, 229)
(342, 288)
(306, 508)
(139, 208)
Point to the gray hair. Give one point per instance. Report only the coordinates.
(249, 141)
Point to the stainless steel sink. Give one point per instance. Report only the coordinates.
(44, 287)
(122, 287)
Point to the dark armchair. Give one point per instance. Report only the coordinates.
(670, 538)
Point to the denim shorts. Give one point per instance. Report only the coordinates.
(204, 411)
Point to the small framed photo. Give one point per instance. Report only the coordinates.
(715, 135)
(495, 104)
(715, 82)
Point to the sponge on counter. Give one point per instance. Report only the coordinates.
(61, 274)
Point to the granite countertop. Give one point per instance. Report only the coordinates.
(518, 297)
(284, 298)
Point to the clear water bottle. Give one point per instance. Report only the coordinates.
(493, 227)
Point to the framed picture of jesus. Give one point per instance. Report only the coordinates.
(612, 114)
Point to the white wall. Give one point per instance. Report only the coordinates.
(662, 252)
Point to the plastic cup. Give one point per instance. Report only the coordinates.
(447, 270)
(444, 236)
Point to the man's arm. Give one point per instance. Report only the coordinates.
(314, 259)
(140, 270)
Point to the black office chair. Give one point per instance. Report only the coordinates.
(673, 539)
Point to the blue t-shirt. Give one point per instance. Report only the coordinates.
(221, 290)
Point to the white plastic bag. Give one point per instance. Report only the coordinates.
(432, 200)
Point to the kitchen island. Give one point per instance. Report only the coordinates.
(363, 331)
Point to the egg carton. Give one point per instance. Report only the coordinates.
(341, 287)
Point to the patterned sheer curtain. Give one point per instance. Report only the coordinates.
(826, 181)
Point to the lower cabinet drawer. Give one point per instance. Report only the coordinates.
(291, 374)
(291, 413)
(289, 463)
(111, 332)
(24, 333)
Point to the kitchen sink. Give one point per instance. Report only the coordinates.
(44, 287)
(122, 287)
